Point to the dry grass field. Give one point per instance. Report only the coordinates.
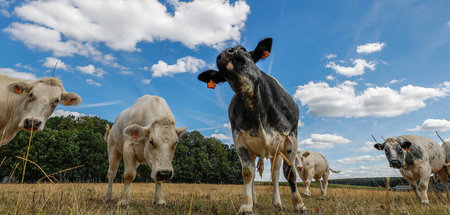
(207, 199)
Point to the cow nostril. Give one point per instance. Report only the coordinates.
(164, 175)
(37, 124)
(230, 50)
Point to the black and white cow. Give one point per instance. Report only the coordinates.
(263, 118)
(416, 157)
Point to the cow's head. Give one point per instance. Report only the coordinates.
(299, 158)
(238, 67)
(159, 140)
(38, 100)
(396, 150)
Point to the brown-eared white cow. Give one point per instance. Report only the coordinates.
(144, 133)
(416, 157)
(313, 165)
(263, 118)
(28, 104)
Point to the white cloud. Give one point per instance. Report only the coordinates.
(448, 23)
(184, 64)
(19, 75)
(330, 56)
(67, 113)
(91, 70)
(146, 81)
(360, 159)
(433, 125)
(101, 104)
(322, 141)
(92, 82)
(394, 81)
(370, 47)
(26, 67)
(377, 170)
(227, 125)
(221, 136)
(343, 101)
(50, 62)
(122, 24)
(124, 72)
(368, 147)
(301, 124)
(330, 78)
(358, 69)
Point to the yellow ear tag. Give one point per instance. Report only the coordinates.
(17, 90)
(134, 135)
(407, 149)
(211, 84)
(265, 54)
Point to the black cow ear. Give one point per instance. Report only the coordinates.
(262, 50)
(406, 145)
(379, 146)
(211, 75)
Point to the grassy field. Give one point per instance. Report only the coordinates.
(207, 199)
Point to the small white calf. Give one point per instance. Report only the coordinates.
(313, 165)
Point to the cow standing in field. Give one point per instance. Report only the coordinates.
(446, 147)
(416, 157)
(144, 133)
(28, 104)
(313, 165)
(263, 118)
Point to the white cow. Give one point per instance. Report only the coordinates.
(416, 157)
(144, 133)
(313, 165)
(28, 104)
(446, 147)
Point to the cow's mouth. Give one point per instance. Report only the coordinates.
(30, 130)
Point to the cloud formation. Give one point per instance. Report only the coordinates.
(323, 141)
(50, 62)
(91, 70)
(221, 136)
(342, 100)
(19, 75)
(360, 159)
(184, 64)
(359, 67)
(92, 82)
(67, 113)
(432, 125)
(370, 48)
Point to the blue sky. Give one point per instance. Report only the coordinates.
(355, 68)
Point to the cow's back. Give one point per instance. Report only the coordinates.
(433, 151)
(316, 161)
(144, 112)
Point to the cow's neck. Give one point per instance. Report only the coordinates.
(10, 116)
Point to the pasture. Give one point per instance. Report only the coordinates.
(87, 198)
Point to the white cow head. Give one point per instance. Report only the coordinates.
(299, 157)
(395, 149)
(159, 140)
(38, 100)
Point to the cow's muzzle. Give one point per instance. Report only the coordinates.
(299, 168)
(395, 164)
(164, 175)
(32, 124)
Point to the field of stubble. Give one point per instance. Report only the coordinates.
(206, 199)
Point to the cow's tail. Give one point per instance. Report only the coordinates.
(260, 166)
(334, 171)
(108, 129)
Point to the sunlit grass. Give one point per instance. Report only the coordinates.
(78, 198)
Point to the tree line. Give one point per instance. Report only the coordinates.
(68, 142)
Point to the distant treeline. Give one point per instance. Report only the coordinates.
(370, 182)
(68, 142)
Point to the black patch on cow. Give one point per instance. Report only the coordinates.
(245, 156)
(289, 151)
(413, 154)
(289, 174)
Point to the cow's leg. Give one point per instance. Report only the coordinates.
(291, 175)
(253, 191)
(248, 172)
(444, 179)
(276, 164)
(309, 177)
(159, 195)
(131, 165)
(424, 181)
(114, 160)
(414, 186)
(325, 183)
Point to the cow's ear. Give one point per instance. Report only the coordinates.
(135, 132)
(70, 99)
(262, 50)
(379, 146)
(211, 75)
(406, 145)
(20, 87)
(305, 154)
(180, 131)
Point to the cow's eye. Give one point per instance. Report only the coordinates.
(151, 142)
(30, 95)
(57, 101)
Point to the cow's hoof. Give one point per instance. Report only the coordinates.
(300, 209)
(307, 194)
(108, 199)
(245, 210)
(123, 204)
(278, 205)
(425, 202)
(160, 203)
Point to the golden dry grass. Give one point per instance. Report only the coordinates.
(207, 199)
